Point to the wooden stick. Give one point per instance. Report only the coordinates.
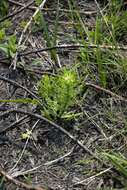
(19, 183)
(75, 46)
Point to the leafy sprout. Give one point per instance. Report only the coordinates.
(58, 93)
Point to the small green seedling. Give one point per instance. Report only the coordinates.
(58, 93)
(26, 135)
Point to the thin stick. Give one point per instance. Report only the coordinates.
(19, 183)
(93, 177)
(49, 163)
(73, 47)
(39, 72)
(60, 159)
(106, 91)
(14, 62)
(20, 173)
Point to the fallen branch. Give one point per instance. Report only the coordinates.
(74, 47)
(106, 91)
(60, 159)
(89, 179)
(19, 183)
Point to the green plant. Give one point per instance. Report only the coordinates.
(28, 178)
(110, 28)
(117, 24)
(2, 34)
(112, 23)
(58, 93)
(94, 36)
(26, 135)
(120, 164)
(9, 46)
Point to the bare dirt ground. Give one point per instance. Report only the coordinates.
(49, 158)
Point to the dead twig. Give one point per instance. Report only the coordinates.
(39, 72)
(19, 183)
(22, 173)
(72, 23)
(89, 179)
(99, 88)
(60, 159)
(74, 47)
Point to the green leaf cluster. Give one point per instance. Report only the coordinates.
(9, 47)
(58, 93)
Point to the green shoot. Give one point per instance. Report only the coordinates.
(58, 93)
(119, 162)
